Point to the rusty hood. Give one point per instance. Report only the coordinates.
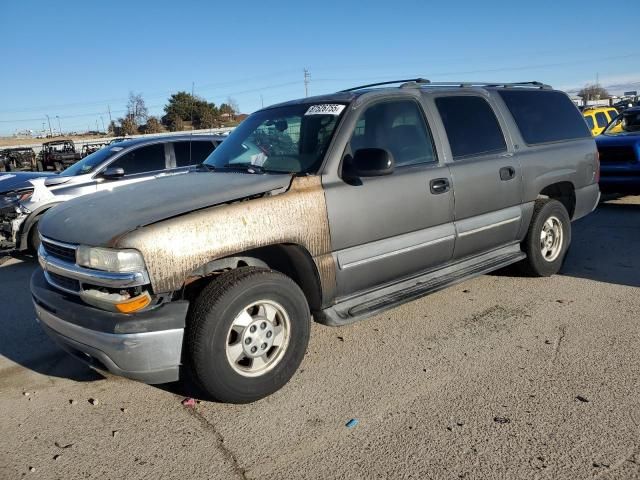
(101, 218)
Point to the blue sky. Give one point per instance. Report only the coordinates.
(73, 59)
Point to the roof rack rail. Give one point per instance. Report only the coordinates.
(409, 80)
(419, 82)
(491, 84)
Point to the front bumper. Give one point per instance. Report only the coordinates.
(145, 347)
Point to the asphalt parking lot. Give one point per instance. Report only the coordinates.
(498, 377)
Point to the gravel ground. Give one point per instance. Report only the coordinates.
(498, 377)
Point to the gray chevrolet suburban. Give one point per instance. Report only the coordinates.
(337, 207)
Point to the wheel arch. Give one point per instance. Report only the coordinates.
(30, 222)
(564, 192)
(291, 259)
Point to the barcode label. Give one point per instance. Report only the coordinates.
(325, 109)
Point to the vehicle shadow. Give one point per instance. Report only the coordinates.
(605, 245)
(23, 341)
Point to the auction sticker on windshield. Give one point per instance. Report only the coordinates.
(325, 109)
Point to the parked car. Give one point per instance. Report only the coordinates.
(28, 196)
(17, 159)
(89, 148)
(598, 118)
(619, 149)
(337, 207)
(57, 155)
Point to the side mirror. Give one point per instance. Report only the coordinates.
(113, 173)
(370, 162)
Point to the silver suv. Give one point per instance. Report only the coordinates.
(26, 196)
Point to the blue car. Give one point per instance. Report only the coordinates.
(619, 148)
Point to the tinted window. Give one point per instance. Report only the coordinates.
(612, 114)
(601, 119)
(398, 127)
(90, 162)
(143, 159)
(589, 120)
(471, 125)
(192, 153)
(544, 116)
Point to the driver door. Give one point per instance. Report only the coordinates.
(386, 228)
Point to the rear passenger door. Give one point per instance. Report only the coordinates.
(486, 175)
(190, 152)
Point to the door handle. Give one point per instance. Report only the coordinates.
(507, 173)
(439, 185)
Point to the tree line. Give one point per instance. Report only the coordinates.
(183, 111)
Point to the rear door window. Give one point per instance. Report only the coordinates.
(192, 152)
(601, 119)
(141, 160)
(544, 116)
(471, 126)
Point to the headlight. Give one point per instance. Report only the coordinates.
(109, 259)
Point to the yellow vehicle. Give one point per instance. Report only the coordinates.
(598, 118)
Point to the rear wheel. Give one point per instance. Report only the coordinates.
(39, 166)
(547, 240)
(247, 333)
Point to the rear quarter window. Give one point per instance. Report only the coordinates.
(544, 116)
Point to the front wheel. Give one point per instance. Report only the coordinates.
(247, 333)
(547, 240)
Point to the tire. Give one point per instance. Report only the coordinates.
(57, 166)
(214, 335)
(545, 259)
(33, 242)
(39, 166)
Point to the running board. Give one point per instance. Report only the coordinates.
(371, 303)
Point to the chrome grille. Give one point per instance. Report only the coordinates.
(58, 251)
(617, 154)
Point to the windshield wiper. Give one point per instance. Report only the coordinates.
(205, 166)
(245, 167)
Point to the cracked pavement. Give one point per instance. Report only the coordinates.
(497, 377)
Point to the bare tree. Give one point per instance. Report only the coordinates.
(593, 92)
(233, 104)
(153, 125)
(136, 108)
(128, 126)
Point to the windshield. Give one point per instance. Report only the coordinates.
(624, 123)
(291, 139)
(90, 162)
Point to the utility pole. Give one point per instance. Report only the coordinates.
(109, 110)
(102, 120)
(307, 79)
(97, 127)
(59, 127)
(49, 122)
